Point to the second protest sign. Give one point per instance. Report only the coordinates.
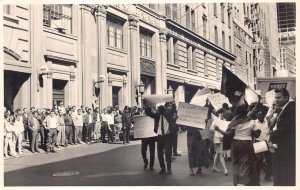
(191, 115)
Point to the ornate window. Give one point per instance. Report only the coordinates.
(114, 32)
(58, 16)
(146, 43)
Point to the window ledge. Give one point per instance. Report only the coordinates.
(173, 65)
(116, 49)
(192, 71)
(149, 58)
(11, 18)
(53, 31)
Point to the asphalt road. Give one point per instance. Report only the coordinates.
(106, 165)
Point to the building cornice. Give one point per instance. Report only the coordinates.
(202, 43)
(61, 59)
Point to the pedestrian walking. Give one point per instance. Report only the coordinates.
(195, 148)
(217, 139)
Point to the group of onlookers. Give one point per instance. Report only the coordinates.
(50, 129)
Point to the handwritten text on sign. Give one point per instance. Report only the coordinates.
(217, 100)
(191, 115)
(143, 127)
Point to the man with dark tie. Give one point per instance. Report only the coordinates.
(164, 139)
(283, 135)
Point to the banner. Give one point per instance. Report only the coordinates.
(143, 127)
(158, 99)
(217, 100)
(191, 115)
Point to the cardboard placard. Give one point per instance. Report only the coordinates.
(143, 127)
(217, 100)
(191, 115)
(222, 124)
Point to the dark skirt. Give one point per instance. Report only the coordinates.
(243, 162)
(195, 148)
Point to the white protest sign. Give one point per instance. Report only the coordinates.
(203, 91)
(250, 96)
(270, 97)
(158, 99)
(217, 100)
(199, 100)
(191, 115)
(143, 127)
(222, 124)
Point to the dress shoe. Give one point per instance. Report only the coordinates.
(54, 151)
(169, 172)
(226, 173)
(192, 173)
(151, 168)
(176, 154)
(162, 171)
(32, 151)
(37, 151)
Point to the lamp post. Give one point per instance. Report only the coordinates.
(140, 89)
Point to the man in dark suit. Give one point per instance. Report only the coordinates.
(284, 136)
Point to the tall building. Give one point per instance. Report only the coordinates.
(77, 54)
(286, 16)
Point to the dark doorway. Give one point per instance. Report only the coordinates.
(116, 94)
(58, 91)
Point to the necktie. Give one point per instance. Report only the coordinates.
(162, 125)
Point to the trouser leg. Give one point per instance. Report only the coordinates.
(168, 150)
(152, 152)
(160, 152)
(144, 150)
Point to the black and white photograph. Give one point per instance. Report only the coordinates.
(155, 94)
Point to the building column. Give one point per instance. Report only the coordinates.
(124, 94)
(190, 54)
(134, 59)
(171, 50)
(161, 69)
(102, 55)
(36, 55)
(85, 59)
(48, 90)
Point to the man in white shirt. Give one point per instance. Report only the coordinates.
(78, 123)
(51, 124)
(19, 129)
(88, 124)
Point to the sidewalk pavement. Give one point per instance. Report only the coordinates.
(26, 149)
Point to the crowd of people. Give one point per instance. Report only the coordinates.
(50, 129)
(210, 144)
(246, 125)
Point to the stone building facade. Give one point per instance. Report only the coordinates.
(77, 54)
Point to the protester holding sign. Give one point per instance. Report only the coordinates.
(217, 139)
(242, 128)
